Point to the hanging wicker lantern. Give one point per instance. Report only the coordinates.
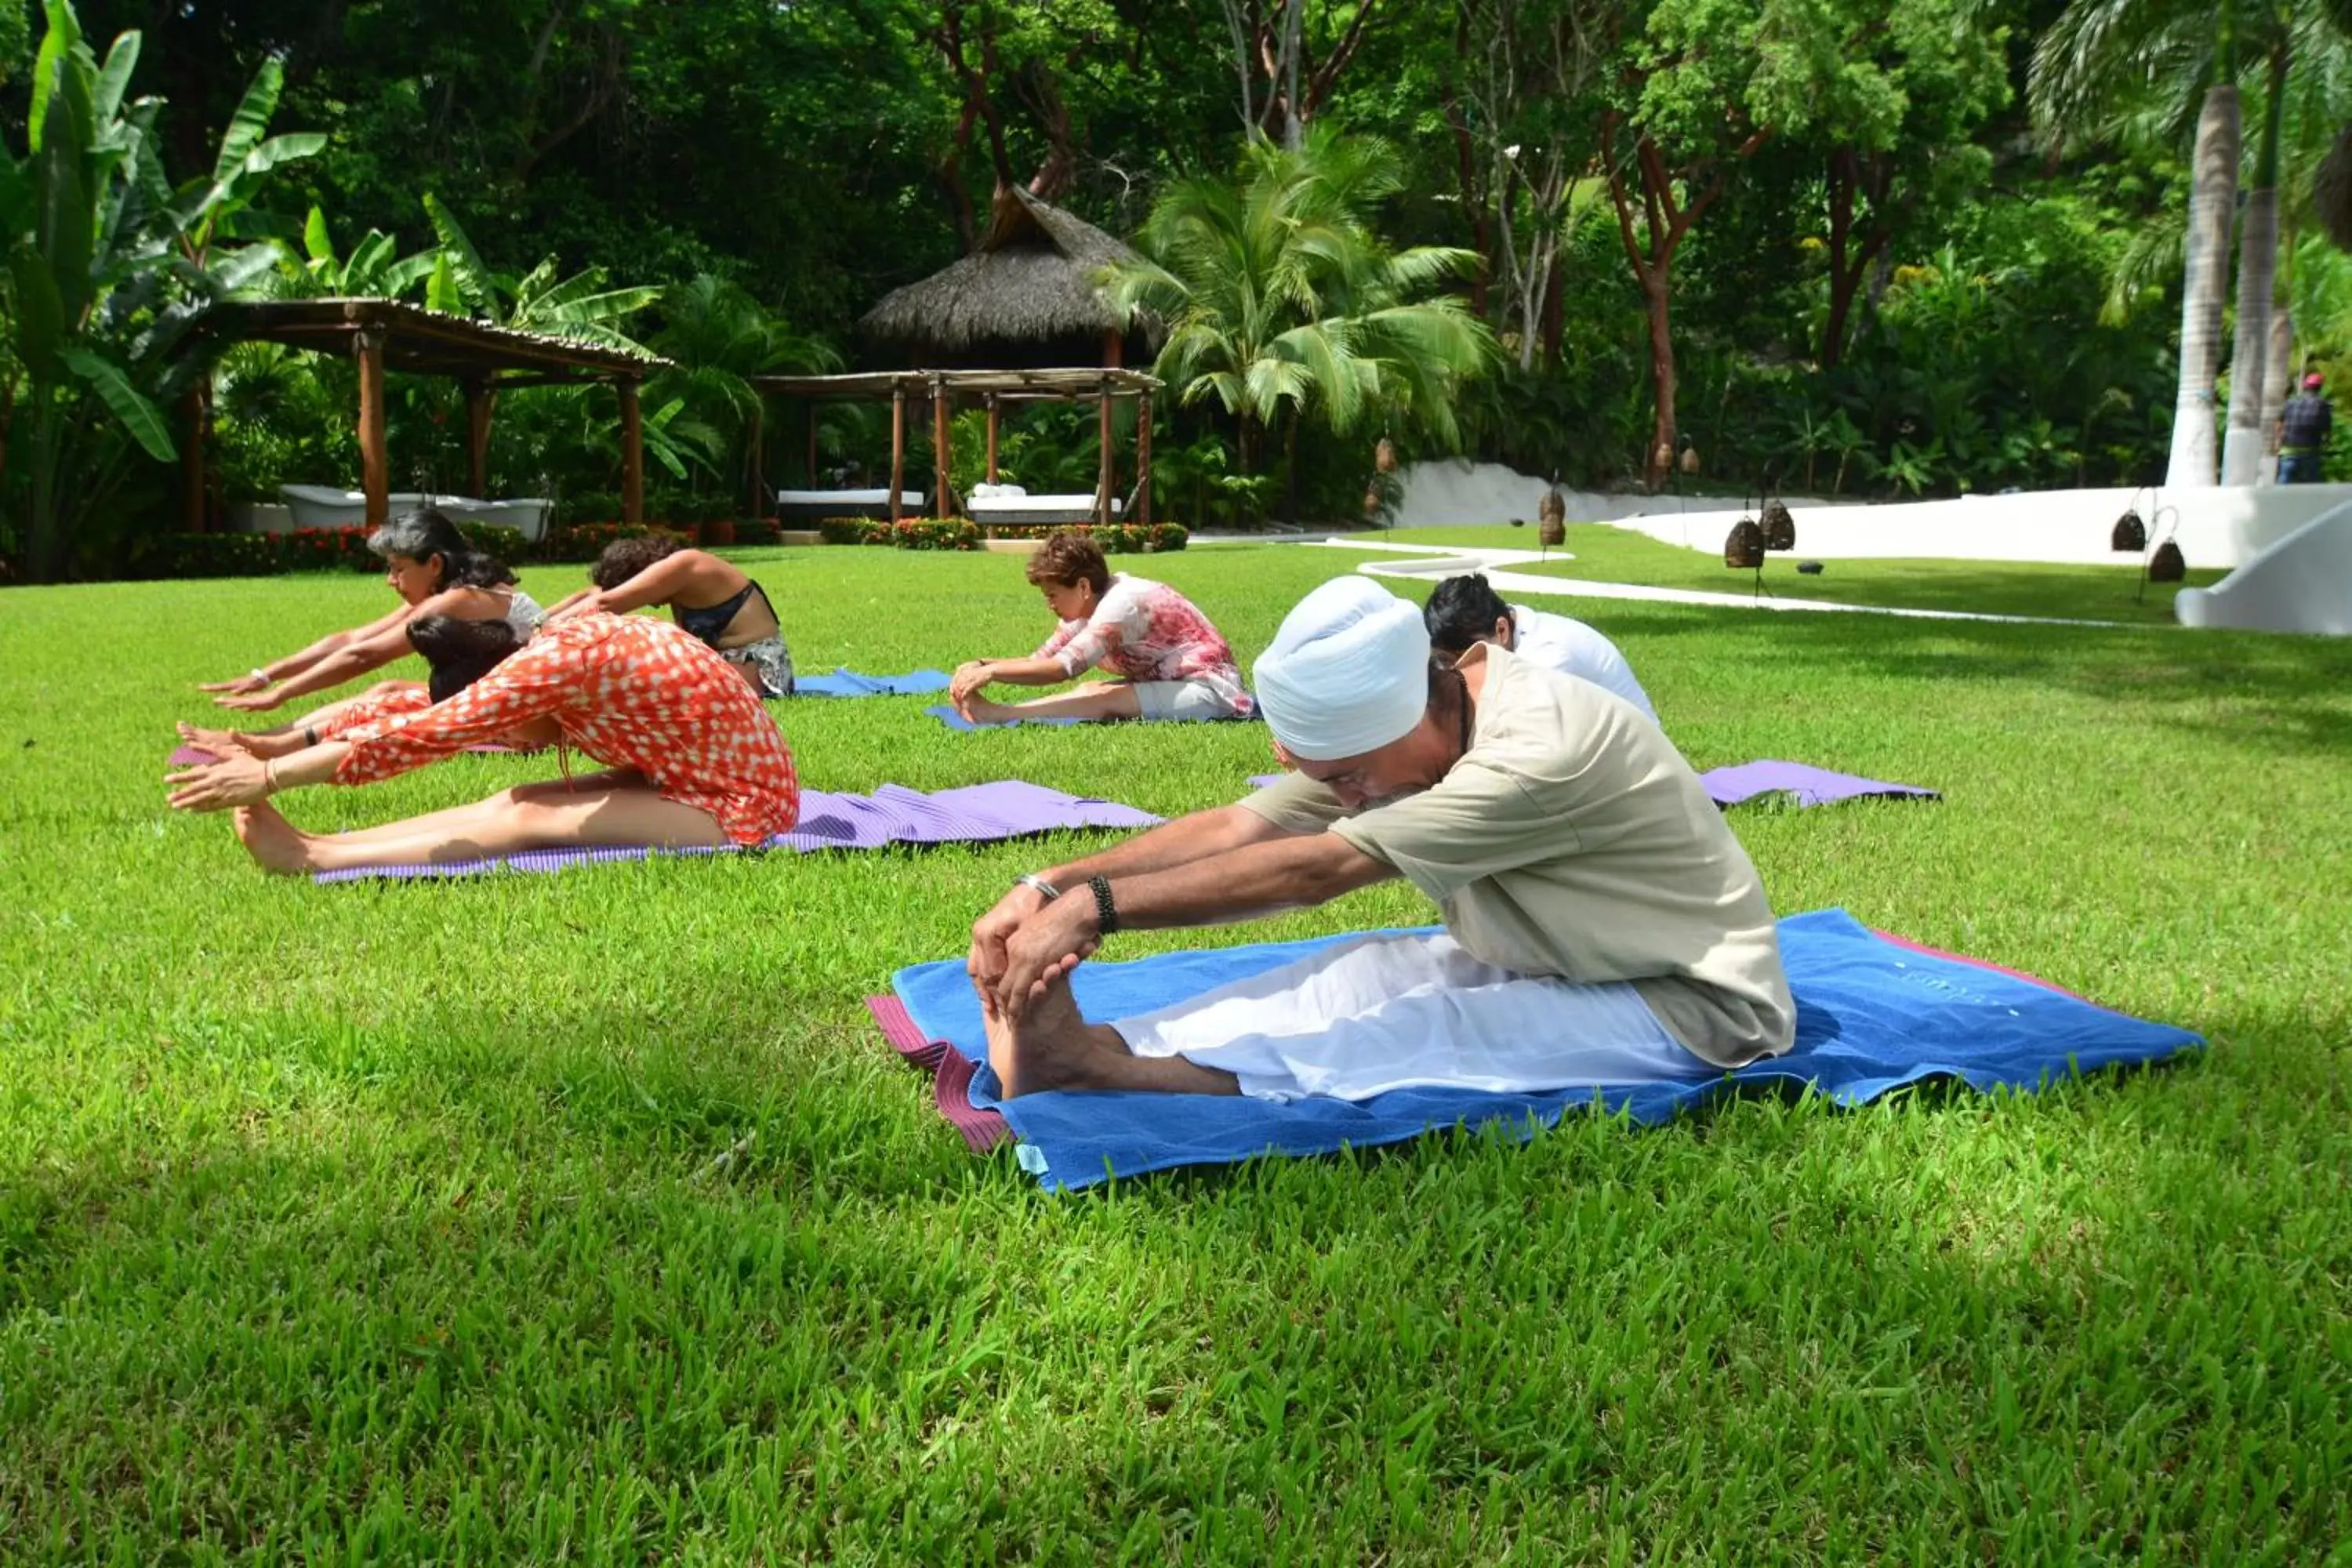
(2166, 565)
(2130, 536)
(1688, 461)
(1384, 456)
(1743, 551)
(1551, 519)
(1780, 528)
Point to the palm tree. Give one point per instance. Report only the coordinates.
(1282, 303)
(717, 338)
(2134, 70)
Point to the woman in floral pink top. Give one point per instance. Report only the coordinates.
(1169, 662)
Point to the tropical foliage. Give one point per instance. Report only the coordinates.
(1620, 241)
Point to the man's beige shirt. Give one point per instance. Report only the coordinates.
(1572, 839)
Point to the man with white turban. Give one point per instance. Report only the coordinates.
(1603, 926)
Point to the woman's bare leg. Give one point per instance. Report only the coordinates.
(458, 820)
(1096, 699)
(617, 814)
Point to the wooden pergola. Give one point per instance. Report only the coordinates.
(388, 334)
(994, 389)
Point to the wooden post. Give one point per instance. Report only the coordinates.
(1102, 435)
(993, 411)
(1143, 457)
(478, 440)
(898, 445)
(191, 458)
(376, 456)
(809, 407)
(1114, 349)
(760, 500)
(633, 455)
(939, 441)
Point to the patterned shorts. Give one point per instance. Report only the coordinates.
(769, 659)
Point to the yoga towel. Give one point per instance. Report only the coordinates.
(947, 715)
(1873, 1012)
(1810, 785)
(1732, 785)
(847, 682)
(977, 813)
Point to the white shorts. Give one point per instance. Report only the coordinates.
(1181, 699)
(1378, 1013)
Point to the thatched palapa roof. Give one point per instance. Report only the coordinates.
(1030, 280)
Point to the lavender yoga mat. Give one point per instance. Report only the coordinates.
(1733, 785)
(977, 813)
(947, 715)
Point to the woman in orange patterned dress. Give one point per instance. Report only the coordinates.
(694, 759)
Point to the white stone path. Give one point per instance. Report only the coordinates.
(1440, 562)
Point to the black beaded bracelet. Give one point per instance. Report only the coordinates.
(1106, 913)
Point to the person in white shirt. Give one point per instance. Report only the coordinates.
(1466, 611)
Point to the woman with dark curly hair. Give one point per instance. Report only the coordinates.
(1168, 661)
(708, 596)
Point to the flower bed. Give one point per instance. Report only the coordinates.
(906, 533)
(961, 534)
(302, 550)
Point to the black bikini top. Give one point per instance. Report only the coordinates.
(711, 623)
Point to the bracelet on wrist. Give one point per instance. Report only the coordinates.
(1106, 912)
(1038, 885)
(269, 776)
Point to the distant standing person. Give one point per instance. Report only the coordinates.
(1466, 611)
(2304, 425)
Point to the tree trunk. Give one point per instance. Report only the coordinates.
(1658, 297)
(2278, 376)
(2204, 283)
(2242, 450)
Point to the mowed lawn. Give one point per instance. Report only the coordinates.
(1607, 554)
(381, 1222)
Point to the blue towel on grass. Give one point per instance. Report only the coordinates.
(1872, 1014)
(847, 682)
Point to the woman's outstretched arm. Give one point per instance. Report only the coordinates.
(294, 663)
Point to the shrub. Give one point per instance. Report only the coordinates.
(1117, 538)
(211, 555)
(586, 540)
(759, 531)
(934, 533)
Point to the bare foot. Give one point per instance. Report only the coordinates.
(981, 710)
(269, 838)
(1051, 1045)
(219, 742)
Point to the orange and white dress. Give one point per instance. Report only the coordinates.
(628, 691)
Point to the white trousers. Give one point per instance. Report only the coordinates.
(1362, 1017)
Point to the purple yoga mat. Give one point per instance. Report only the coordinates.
(977, 813)
(1731, 786)
(1810, 786)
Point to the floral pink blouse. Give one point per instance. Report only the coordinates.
(1147, 631)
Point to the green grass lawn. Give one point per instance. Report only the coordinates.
(1609, 554)
(376, 1222)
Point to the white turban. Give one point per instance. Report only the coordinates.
(1348, 673)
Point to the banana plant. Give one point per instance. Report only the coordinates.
(109, 273)
(579, 307)
(375, 269)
